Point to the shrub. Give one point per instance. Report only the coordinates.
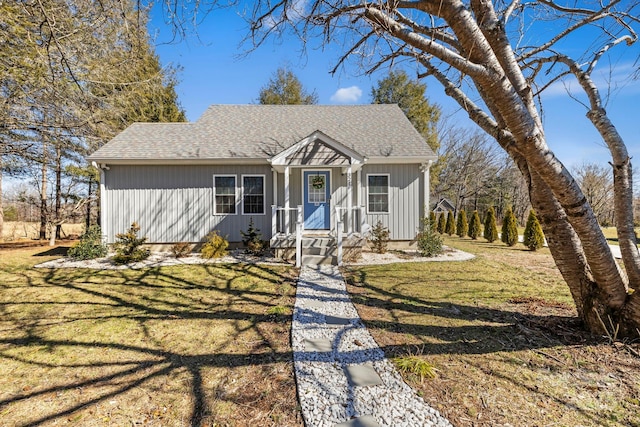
(442, 220)
(433, 221)
(509, 228)
(415, 365)
(462, 227)
(428, 241)
(215, 246)
(252, 239)
(450, 227)
(490, 227)
(90, 245)
(533, 235)
(128, 246)
(379, 238)
(181, 249)
(474, 226)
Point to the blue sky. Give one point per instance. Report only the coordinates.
(215, 70)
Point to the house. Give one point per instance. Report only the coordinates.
(292, 169)
(443, 206)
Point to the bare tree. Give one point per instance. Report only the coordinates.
(597, 185)
(482, 53)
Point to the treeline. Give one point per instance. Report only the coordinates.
(74, 74)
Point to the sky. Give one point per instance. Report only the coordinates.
(216, 69)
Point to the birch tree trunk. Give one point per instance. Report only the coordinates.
(466, 46)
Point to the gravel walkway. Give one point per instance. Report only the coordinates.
(342, 375)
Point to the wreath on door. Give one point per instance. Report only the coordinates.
(317, 182)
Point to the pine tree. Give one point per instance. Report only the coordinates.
(450, 227)
(490, 227)
(433, 222)
(474, 226)
(284, 88)
(509, 228)
(442, 221)
(462, 227)
(533, 235)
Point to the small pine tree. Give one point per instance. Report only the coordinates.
(429, 243)
(474, 226)
(509, 228)
(442, 221)
(490, 227)
(533, 235)
(379, 238)
(252, 239)
(450, 227)
(462, 227)
(433, 222)
(90, 245)
(128, 246)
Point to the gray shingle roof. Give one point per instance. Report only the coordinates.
(260, 131)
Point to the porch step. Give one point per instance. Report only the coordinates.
(319, 250)
(319, 260)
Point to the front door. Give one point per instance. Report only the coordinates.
(316, 200)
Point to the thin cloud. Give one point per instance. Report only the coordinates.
(347, 95)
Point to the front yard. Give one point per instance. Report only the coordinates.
(172, 346)
(501, 332)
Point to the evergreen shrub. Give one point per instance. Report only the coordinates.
(252, 239)
(509, 228)
(433, 221)
(474, 226)
(90, 245)
(442, 221)
(490, 227)
(215, 246)
(462, 227)
(450, 227)
(128, 246)
(428, 241)
(181, 249)
(379, 238)
(533, 235)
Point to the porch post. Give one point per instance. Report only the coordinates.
(274, 205)
(349, 201)
(425, 171)
(286, 200)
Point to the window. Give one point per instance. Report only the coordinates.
(224, 194)
(253, 194)
(316, 189)
(378, 200)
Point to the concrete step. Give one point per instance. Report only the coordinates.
(317, 242)
(319, 260)
(327, 250)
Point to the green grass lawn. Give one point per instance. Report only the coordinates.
(171, 346)
(501, 333)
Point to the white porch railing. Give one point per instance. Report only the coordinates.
(288, 222)
(348, 221)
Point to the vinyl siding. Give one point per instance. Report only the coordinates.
(175, 203)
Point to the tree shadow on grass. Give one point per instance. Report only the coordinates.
(135, 331)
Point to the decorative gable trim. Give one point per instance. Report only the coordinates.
(292, 155)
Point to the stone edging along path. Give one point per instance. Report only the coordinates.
(342, 375)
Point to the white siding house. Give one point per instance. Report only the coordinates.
(335, 166)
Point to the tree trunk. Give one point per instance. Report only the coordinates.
(58, 196)
(1, 204)
(87, 221)
(43, 195)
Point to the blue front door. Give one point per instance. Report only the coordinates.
(316, 200)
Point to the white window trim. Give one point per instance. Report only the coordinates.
(235, 177)
(388, 193)
(264, 193)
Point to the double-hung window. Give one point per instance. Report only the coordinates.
(253, 194)
(378, 193)
(224, 194)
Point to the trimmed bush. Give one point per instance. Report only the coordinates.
(442, 221)
(90, 245)
(379, 238)
(433, 221)
(450, 227)
(181, 249)
(533, 235)
(474, 226)
(490, 227)
(509, 228)
(428, 241)
(462, 227)
(252, 239)
(128, 246)
(215, 246)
